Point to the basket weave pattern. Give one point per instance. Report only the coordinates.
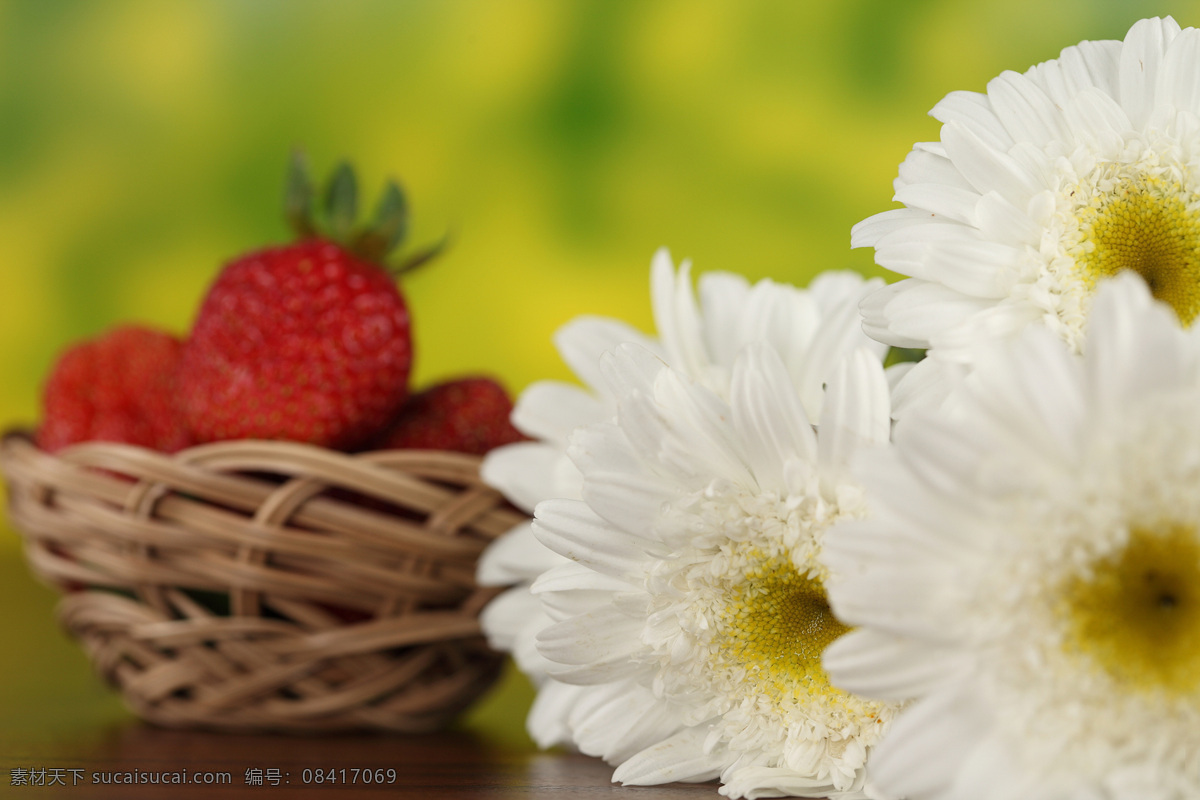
(252, 585)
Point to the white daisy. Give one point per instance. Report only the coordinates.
(692, 616)
(811, 329)
(1083, 167)
(1031, 572)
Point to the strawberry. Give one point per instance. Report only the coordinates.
(308, 341)
(115, 388)
(469, 415)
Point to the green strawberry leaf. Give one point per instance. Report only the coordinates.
(389, 228)
(421, 256)
(341, 203)
(391, 218)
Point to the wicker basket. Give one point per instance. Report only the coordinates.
(254, 585)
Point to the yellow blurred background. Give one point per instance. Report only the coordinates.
(143, 143)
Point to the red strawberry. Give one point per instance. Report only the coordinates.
(115, 388)
(308, 341)
(469, 415)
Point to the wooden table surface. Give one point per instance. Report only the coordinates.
(60, 724)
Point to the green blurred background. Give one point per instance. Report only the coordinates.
(142, 144)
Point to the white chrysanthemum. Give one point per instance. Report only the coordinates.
(1031, 572)
(811, 329)
(1083, 167)
(692, 616)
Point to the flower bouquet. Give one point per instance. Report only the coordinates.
(765, 551)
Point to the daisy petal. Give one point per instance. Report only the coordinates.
(973, 111)
(991, 771)
(567, 577)
(837, 287)
(692, 442)
(615, 721)
(925, 742)
(1137, 345)
(768, 416)
(681, 757)
(620, 487)
(925, 386)
(911, 311)
(1102, 62)
(1179, 79)
(1141, 61)
(550, 410)
(603, 641)
(839, 336)
(927, 162)
(524, 649)
(952, 254)
(1025, 110)
(986, 168)
(630, 502)
(515, 556)
(1095, 116)
(723, 297)
(1078, 69)
(630, 370)
(676, 315)
(584, 339)
(547, 720)
(1000, 221)
(507, 614)
(525, 472)
(947, 201)
(868, 232)
(857, 410)
(757, 781)
(1013, 390)
(573, 530)
(874, 664)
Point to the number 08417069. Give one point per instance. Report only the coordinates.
(351, 775)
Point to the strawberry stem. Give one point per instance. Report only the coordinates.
(376, 240)
(298, 197)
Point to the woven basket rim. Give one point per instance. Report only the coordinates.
(371, 471)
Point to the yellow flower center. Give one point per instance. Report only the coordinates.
(776, 625)
(1148, 224)
(1138, 614)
